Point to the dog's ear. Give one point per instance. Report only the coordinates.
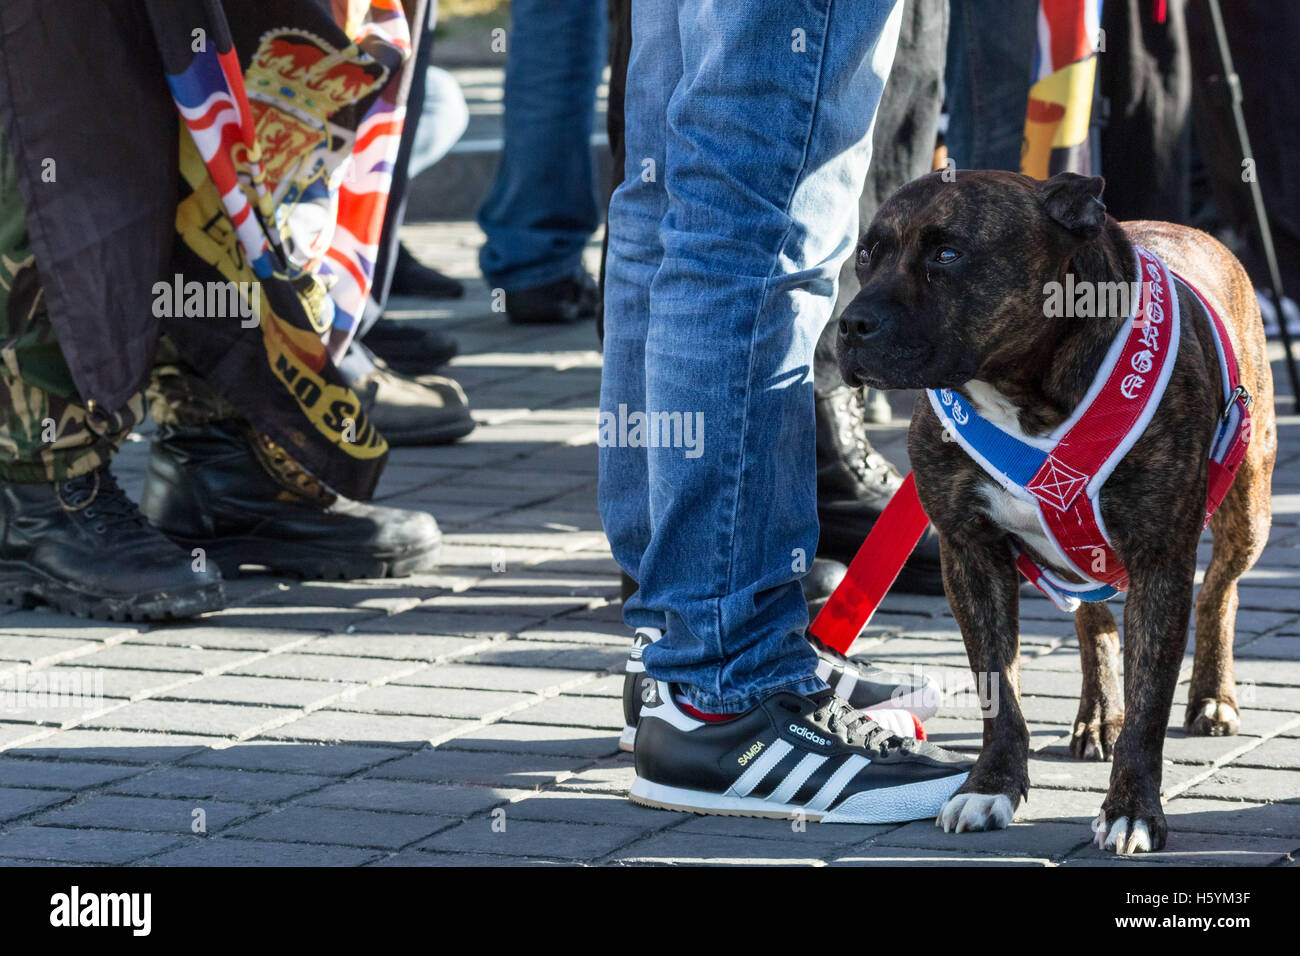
(1074, 201)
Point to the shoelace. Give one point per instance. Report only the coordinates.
(837, 715)
(99, 497)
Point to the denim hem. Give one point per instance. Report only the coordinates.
(738, 705)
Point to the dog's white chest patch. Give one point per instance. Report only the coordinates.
(1012, 514)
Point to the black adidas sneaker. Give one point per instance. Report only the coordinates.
(862, 684)
(790, 755)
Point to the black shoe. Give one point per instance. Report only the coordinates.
(407, 412)
(854, 483)
(865, 686)
(83, 547)
(208, 488)
(409, 349)
(570, 300)
(413, 277)
(812, 758)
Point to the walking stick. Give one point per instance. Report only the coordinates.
(1257, 198)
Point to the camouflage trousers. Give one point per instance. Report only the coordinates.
(47, 432)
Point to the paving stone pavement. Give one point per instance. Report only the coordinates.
(404, 722)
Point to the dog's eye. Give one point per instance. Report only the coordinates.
(945, 255)
(864, 256)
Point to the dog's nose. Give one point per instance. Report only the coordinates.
(857, 325)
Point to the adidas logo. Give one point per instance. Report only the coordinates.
(750, 754)
(809, 735)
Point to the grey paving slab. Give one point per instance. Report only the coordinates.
(513, 771)
(115, 746)
(1233, 816)
(403, 796)
(500, 678)
(69, 845)
(325, 667)
(336, 760)
(1236, 782)
(60, 774)
(505, 836)
(573, 711)
(391, 730)
(582, 657)
(16, 802)
(147, 813)
(693, 849)
(893, 856)
(1185, 848)
(440, 702)
(222, 851)
(210, 783)
(240, 689)
(227, 635)
(516, 738)
(1039, 840)
(349, 827)
(189, 717)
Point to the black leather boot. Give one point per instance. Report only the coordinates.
(208, 488)
(83, 547)
(854, 483)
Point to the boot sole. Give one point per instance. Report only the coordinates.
(26, 588)
(309, 563)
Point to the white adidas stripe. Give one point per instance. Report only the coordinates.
(760, 768)
(824, 670)
(796, 778)
(836, 784)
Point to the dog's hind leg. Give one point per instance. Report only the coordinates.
(1101, 702)
(1240, 529)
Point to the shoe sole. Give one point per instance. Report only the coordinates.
(308, 563)
(25, 588)
(901, 804)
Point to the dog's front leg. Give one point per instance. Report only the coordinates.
(984, 591)
(1155, 637)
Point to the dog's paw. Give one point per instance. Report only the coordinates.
(976, 811)
(1126, 835)
(1212, 718)
(1096, 740)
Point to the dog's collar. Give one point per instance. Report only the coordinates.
(1062, 474)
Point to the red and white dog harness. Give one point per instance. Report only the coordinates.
(1063, 473)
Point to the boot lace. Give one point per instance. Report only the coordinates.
(867, 465)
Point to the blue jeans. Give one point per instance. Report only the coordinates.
(541, 210)
(748, 136)
(990, 59)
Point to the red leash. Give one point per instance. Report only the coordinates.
(873, 569)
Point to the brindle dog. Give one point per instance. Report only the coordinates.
(954, 275)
